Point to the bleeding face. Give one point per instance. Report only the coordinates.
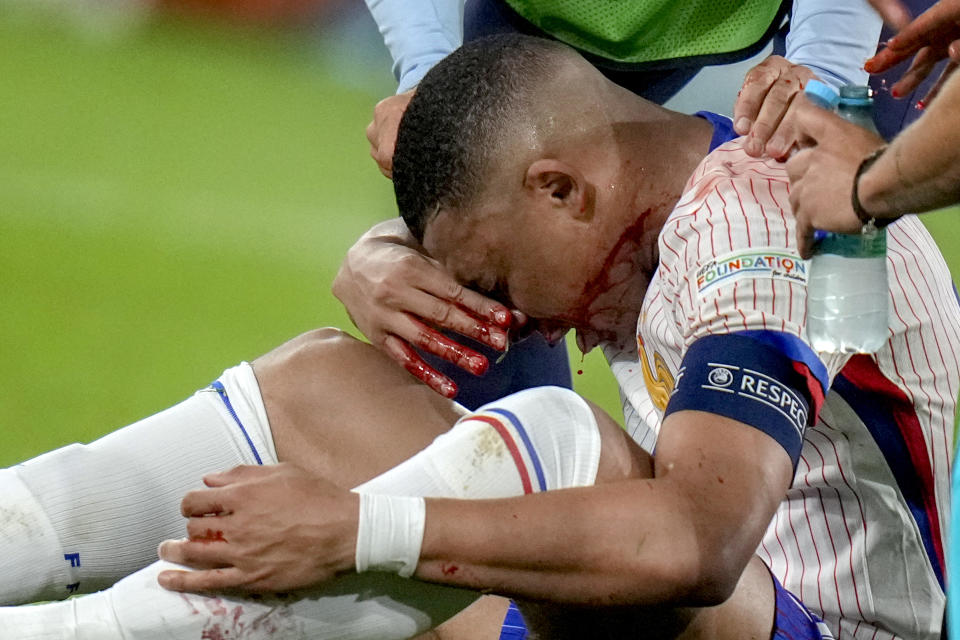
(563, 275)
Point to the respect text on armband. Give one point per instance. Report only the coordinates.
(749, 384)
(757, 386)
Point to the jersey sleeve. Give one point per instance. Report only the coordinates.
(729, 265)
(418, 33)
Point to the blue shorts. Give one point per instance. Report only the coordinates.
(793, 620)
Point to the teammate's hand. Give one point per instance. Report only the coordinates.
(931, 37)
(263, 529)
(762, 102)
(821, 173)
(382, 130)
(398, 297)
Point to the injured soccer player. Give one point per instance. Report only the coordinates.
(786, 486)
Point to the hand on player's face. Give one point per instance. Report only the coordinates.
(767, 92)
(933, 36)
(400, 298)
(249, 529)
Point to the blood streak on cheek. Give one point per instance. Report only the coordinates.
(602, 281)
(449, 569)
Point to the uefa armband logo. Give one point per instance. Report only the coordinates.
(754, 264)
(720, 377)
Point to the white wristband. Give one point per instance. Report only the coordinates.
(390, 533)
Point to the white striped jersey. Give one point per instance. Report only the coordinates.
(859, 536)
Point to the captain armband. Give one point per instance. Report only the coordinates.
(746, 380)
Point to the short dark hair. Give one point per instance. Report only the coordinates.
(460, 112)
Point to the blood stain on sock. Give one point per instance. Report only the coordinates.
(186, 599)
(213, 632)
(241, 623)
(579, 372)
(215, 605)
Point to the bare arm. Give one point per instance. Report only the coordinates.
(682, 537)
(921, 168)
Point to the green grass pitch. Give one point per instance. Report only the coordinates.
(174, 199)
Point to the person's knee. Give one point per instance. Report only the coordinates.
(307, 350)
(316, 353)
(620, 457)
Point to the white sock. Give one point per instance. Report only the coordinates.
(534, 440)
(468, 461)
(79, 518)
(378, 606)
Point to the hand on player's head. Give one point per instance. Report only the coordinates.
(382, 130)
(401, 298)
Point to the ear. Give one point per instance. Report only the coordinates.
(561, 186)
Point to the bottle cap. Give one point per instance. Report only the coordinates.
(821, 94)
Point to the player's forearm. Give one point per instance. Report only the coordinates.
(418, 34)
(633, 542)
(833, 39)
(920, 170)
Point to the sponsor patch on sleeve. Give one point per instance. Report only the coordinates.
(744, 379)
(751, 263)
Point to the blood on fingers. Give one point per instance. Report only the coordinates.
(438, 344)
(210, 536)
(416, 366)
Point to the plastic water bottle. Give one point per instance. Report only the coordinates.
(847, 290)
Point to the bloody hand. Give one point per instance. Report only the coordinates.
(931, 37)
(399, 297)
(263, 529)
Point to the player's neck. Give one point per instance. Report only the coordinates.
(658, 159)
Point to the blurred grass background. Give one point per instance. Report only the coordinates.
(176, 196)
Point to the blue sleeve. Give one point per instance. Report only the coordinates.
(418, 33)
(833, 38)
